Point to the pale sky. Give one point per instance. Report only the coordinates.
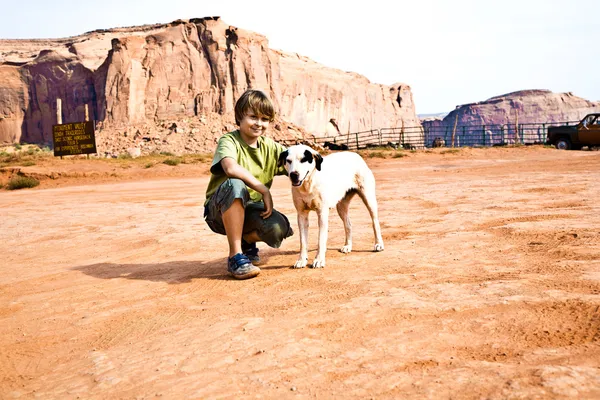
(449, 52)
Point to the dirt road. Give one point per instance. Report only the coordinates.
(489, 287)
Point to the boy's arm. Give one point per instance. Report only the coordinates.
(233, 170)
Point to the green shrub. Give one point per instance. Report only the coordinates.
(450, 151)
(149, 165)
(28, 163)
(17, 146)
(21, 182)
(376, 154)
(172, 161)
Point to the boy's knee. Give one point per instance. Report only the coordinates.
(236, 188)
(276, 229)
(229, 191)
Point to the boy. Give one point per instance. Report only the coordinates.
(238, 201)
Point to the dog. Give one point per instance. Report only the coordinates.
(438, 142)
(335, 146)
(320, 183)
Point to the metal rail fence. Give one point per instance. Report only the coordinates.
(490, 135)
(424, 136)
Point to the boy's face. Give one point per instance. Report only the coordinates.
(253, 125)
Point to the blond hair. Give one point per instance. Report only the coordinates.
(255, 100)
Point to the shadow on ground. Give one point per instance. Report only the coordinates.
(174, 272)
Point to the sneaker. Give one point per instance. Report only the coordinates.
(240, 267)
(251, 251)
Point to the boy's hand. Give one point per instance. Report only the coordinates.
(268, 200)
(233, 170)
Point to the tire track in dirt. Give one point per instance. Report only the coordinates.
(515, 331)
(133, 326)
(491, 224)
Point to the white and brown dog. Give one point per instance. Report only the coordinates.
(320, 183)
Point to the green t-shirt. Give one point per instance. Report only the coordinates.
(260, 161)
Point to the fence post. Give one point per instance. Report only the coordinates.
(517, 126)
(544, 134)
(356, 140)
(454, 130)
(483, 135)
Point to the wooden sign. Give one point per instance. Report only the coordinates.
(75, 138)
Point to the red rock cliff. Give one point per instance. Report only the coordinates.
(173, 87)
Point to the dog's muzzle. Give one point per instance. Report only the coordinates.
(295, 178)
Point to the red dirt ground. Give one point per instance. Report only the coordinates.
(112, 286)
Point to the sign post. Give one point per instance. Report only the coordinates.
(75, 138)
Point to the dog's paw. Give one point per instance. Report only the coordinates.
(378, 247)
(346, 249)
(318, 263)
(301, 262)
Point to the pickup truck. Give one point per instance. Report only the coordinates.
(585, 133)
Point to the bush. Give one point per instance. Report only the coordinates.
(22, 182)
(172, 161)
(450, 151)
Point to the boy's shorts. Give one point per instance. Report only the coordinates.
(271, 230)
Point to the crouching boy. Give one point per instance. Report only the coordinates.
(238, 198)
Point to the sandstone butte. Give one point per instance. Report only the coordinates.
(523, 107)
(172, 87)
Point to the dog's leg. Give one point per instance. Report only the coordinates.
(323, 214)
(342, 209)
(303, 227)
(368, 197)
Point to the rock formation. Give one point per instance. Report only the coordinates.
(172, 87)
(525, 106)
(499, 115)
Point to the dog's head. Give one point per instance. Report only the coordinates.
(299, 162)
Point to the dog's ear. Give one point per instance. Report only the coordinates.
(318, 161)
(281, 159)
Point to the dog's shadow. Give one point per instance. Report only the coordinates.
(174, 272)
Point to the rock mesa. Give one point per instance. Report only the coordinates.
(172, 87)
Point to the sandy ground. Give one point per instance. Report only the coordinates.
(489, 287)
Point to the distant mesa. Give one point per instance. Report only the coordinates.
(524, 106)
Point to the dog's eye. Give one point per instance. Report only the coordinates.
(288, 161)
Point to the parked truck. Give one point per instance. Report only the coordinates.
(585, 133)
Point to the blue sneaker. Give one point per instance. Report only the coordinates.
(251, 251)
(240, 267)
